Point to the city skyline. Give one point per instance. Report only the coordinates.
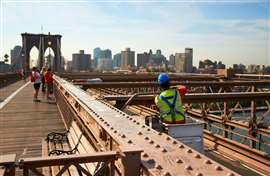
(241, 36)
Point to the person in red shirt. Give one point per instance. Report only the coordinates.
(48, 76)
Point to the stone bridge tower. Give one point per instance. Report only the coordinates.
(42, 42)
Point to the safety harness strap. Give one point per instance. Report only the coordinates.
(171, 105)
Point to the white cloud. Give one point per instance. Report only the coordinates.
(141, 26)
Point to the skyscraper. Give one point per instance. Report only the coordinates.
(81, 61)
(183, 61)
(180, 60)
(117, 60)
(127, 59)
(172, 60)
(16, 58)
(96, 56)
(143, 59)
(104, 64)
(189, 60)
(157, 59)
(105, 54)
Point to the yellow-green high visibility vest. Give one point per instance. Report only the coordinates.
(170, 106)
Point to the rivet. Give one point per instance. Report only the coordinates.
(130, 142)
(134, 121)
(164, 150)
(130, 119)
(174, 142)
(102, 120)
(167, 174)
(179, 161)
(199, 174)
(151, 161)
(159, 167)
(230, 174)
(168, 138)
(123, 136)
(140, 133)
(160, 133)
(148, 129)
(207, 162)
(157, 146)
(111, 128)
(197, 156)
(145, 155)
(143, 126)
(115, 131)
(188, 167)
(146, 138)
(108, 124)
(151, 142)
(181, 146)
(189, 151)
(218, 168)
(138, 123)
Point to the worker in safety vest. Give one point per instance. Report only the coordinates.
(169, 102)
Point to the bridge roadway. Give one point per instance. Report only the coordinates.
(24, 123)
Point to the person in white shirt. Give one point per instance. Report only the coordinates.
(36, 80)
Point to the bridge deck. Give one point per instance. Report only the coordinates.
(24, 123)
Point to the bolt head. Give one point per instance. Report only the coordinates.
(218, 168)
(145, 155)
(179, 161)
(159, 167)
(188, 167)
(207, 162)
(198, 156)
(164, 150)
(189, 151)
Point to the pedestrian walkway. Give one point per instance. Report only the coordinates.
(23, 123)
(8, 90)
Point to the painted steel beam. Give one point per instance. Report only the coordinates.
(196, 98)
(133, 76)
(162, 155)
(85, 84)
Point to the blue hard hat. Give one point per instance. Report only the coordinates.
(163, 78)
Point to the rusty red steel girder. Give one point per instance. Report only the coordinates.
(197, 98)
(162, 155)
(201, 98)
(132, 76)
(250, 156)
(85, 85)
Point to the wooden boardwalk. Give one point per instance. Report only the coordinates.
(23, 123)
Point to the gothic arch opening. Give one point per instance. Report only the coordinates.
(33, 57)
(49, 58)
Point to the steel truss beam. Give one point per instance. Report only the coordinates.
(162, 154)
(85, 85)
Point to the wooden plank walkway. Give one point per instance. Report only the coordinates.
(6, 91)
(23, 124)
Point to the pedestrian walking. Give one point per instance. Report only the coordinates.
(42, 73)
(48, 77)
(36, 80)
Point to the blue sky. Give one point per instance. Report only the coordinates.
(232, 31)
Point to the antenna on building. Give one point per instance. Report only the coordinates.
(41, 29)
